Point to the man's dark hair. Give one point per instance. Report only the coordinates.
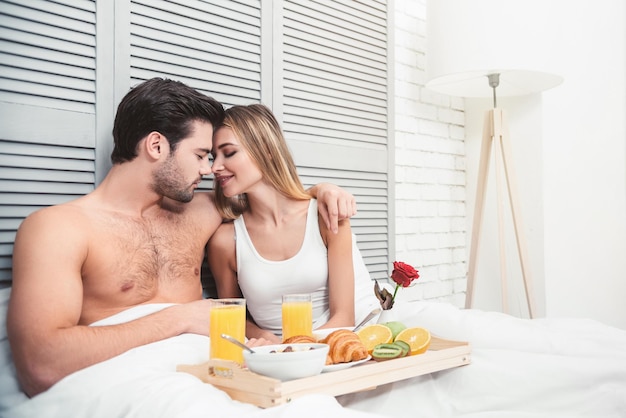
(165, 106)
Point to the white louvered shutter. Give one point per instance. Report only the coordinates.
(212, 46)
(47, 107)
(323, 69)
(335, 108)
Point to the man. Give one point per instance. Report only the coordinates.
(138, 238)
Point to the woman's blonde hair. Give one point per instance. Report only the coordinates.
(260, 135)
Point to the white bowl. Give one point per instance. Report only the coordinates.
(306, 359)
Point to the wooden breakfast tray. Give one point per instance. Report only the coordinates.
(246, 386)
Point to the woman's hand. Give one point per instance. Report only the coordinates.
(334, 204)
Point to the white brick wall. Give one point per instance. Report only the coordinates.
(430, 168)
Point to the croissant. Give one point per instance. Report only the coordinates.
(344, 347)
(297, 339)
(335, 335)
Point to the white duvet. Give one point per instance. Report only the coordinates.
(520, 368)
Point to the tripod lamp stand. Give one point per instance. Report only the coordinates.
(496, 135)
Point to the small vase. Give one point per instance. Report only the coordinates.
(387, 315)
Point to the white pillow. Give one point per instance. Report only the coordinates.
(10, 392)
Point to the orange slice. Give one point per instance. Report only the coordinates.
(417, 338)
(372, 335)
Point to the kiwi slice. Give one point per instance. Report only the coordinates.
(387, 351)
(406, 348)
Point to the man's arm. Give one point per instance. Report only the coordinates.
(334, 204)
(46, 303)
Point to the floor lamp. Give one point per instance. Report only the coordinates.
(481, 48)
(496, 136)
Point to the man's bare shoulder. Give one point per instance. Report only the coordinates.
(57, 237)
(57, 216)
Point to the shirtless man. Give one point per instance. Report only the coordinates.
(138, 238)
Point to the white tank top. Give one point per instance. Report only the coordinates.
(263, 282)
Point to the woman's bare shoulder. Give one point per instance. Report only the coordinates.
(202, 210)
(224, 237)
(344, 229)
(204, 202)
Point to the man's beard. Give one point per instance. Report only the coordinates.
(166, 181)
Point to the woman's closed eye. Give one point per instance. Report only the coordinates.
(227, 154)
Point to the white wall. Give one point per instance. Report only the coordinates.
(430, 168)
(570, 156)
(584, 161)
(570, 153)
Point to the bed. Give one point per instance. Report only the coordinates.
(519, 368)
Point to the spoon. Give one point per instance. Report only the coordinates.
(237, 343)
(367, 318)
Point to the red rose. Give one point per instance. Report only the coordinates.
(403, 274)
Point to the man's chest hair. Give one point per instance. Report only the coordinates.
(156, 239)
(140, 254)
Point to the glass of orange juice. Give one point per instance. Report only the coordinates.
(228, 316)
(297, 315)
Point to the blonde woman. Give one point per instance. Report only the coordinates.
(277, 243)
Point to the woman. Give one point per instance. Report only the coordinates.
(257, 186)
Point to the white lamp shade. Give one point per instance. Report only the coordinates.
(470, 39)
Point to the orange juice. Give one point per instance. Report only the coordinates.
(227, 318)
(297, 315)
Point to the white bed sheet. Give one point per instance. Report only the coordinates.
(520, 368)
(143, 383)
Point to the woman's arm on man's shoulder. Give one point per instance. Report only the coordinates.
(334, 204)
